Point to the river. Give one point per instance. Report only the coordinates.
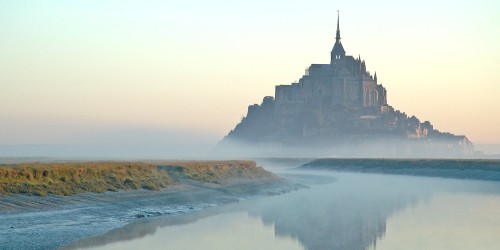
(337, 211)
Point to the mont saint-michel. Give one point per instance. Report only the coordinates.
(340, 109)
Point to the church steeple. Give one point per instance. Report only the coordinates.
(338, 51)
(337, 37)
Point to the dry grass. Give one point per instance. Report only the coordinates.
(80, 177)
(72, 178)
(215, 171)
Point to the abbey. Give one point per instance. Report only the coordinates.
(345, 81)
(341, 107)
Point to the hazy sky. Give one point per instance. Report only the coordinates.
(96, 72)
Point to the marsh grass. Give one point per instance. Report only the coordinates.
(214, 171)
(80, 177)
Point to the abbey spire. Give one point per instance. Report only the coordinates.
(338, 51)
(337, 37)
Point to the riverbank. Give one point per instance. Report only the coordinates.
(52, 221)
(472, 169)
(69, 178)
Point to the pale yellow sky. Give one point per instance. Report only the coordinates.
(69, 71)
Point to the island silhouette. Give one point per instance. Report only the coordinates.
(340, 108)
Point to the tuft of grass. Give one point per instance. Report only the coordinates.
(80, 177)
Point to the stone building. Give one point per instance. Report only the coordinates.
(344, 81)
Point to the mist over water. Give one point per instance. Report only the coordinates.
(117, 143)
(382, 148)
(337, 211)
(148, 143)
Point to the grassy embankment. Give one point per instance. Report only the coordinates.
(81, 177)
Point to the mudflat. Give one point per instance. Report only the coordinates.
(50, 221)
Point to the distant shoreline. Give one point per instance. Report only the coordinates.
(473, 169)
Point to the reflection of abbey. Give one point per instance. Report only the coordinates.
(340, 105)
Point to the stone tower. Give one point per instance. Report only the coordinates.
(338, 51)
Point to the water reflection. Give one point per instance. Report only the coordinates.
(357, 211)
(454, 221)
(349, 214)
(232, 230)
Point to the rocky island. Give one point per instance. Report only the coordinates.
(340, 109)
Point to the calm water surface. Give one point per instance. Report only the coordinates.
(338, 211)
